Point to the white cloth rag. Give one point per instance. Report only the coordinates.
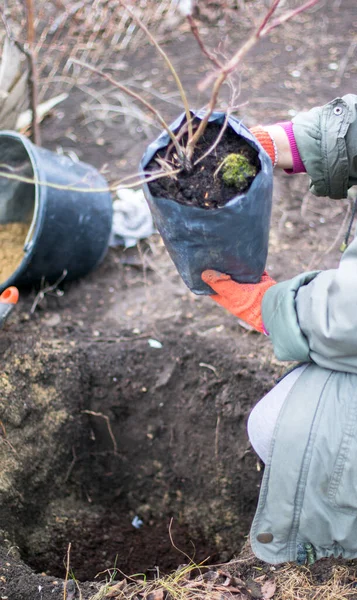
(132, 220)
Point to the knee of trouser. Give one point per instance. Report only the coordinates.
(253, 424)
(259, 431)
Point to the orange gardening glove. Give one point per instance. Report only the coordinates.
(243, 300)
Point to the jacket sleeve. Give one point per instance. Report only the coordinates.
(326, 137)
(313, 317)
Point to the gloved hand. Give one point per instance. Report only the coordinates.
(241, 299)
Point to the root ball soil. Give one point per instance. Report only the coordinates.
(201, 187)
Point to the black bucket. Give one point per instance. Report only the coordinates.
(66, 230)
(233, 238)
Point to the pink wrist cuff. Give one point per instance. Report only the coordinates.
(298, 165)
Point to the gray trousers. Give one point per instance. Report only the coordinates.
(262, 419)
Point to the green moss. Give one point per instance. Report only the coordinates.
(237, 171)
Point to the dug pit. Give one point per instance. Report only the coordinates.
(130, 453)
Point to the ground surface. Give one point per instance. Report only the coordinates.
(98, 426)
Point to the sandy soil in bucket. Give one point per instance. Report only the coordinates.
(12, 238)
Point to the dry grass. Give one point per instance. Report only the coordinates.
(95, 31)
(243, 578)
(177, 586)
(289, 583)
(295, 583)
(100, 31)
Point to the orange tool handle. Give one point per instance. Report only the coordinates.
(10, 295)
(8, 300)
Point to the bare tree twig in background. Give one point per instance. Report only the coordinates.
(33, 76)
(28, 52)
(196, 34)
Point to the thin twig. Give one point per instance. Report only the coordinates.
(174, 545)
(5, 438)
(119, 339)
(314, 265)
(218, 139)
(112, 188)
(46, 290)
(33, 76)
(106, 418)
(166, 59)
(344, 63)
(289, 15)
(67, 572)
(268, 16)
(134, 95)
(71, 466)
(232, 64)
(79, 590)
(203, 48)
(216, 437)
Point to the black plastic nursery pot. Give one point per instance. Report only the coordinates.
(67, 227)
(232, 238)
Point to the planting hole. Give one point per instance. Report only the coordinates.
(120, 441)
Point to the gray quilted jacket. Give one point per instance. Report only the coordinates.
(309, 489)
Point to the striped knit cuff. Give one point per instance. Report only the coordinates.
(266, 140)
(298, 165)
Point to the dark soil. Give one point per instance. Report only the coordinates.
(115, 430)
(200, 187)
(19, 582)
(110, 541)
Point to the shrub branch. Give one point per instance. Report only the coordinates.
(166, 58)
(137, 97)
(232, 64)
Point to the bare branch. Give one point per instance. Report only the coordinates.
(47, 290)
(153, 175)
(134, 95)
(217, 140)
(67, 572)
(289, 15)
(233, 63)
(33, 76)
(166, 59)
(261, 31)
(203, 48)
(3, 437)
(268, 16)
